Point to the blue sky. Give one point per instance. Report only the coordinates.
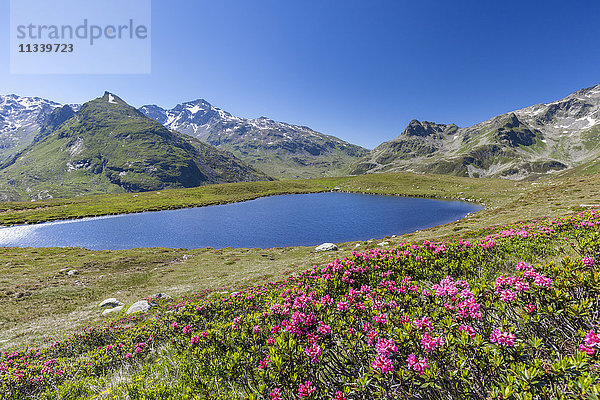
(359, 70)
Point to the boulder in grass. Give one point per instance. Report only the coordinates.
(112, 310)
(112, 302)
(326, 247)
(138, 306)
(161, 296)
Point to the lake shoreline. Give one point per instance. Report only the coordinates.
(306, 219)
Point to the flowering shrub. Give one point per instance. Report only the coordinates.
(513, 315)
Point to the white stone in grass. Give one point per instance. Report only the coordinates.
(383, 244)
(112, 310)
(112, 302)
(326, 247)
(138, 306)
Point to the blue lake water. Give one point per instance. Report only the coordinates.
(277, 221)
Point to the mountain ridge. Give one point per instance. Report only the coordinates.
(531, 142)
(109, 146)
(280, 149)
(526, 143)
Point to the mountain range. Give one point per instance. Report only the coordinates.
(527, 143)
(279, 149)
(48, 149)
(107, 146)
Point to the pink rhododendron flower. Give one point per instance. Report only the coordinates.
(275, 394)
(522, 266)
(592, 339)
(383, 364)
(305, 389)
(313, 352)
(380, 319)
(469, 329)
(502, 338)
(424, 322)
(342, 306)
(371, 336)
(324, 330)
(256, 329)
(419, 365)
(187, 329)
(586, 349)
(339, 395)
(530, 308)
(385, 347)
(263, 363)
(520, 285)
(431, 343)
(326, 300)
(507, 295)
(588, 261)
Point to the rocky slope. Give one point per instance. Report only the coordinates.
(279, 149)
(20, 121)
(109, 146)
(526, 143)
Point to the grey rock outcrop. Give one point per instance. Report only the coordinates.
(139, 306)
(326, 247)
(112, 302)
(112, 310)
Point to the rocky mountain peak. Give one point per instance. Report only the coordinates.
(113, 98)
(426, 128)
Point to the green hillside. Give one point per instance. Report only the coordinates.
(110, 147)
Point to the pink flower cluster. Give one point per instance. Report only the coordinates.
(508, 287)
(419, 365)
(275, 394)
(339, 395)
(431, 343)
(305, 389)
(383, 364)
(313, 352)
(588, 261)
(385, 347)
(502, 338)
(469, 329)
(461, 298)
(590, 341)
(424, 322)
